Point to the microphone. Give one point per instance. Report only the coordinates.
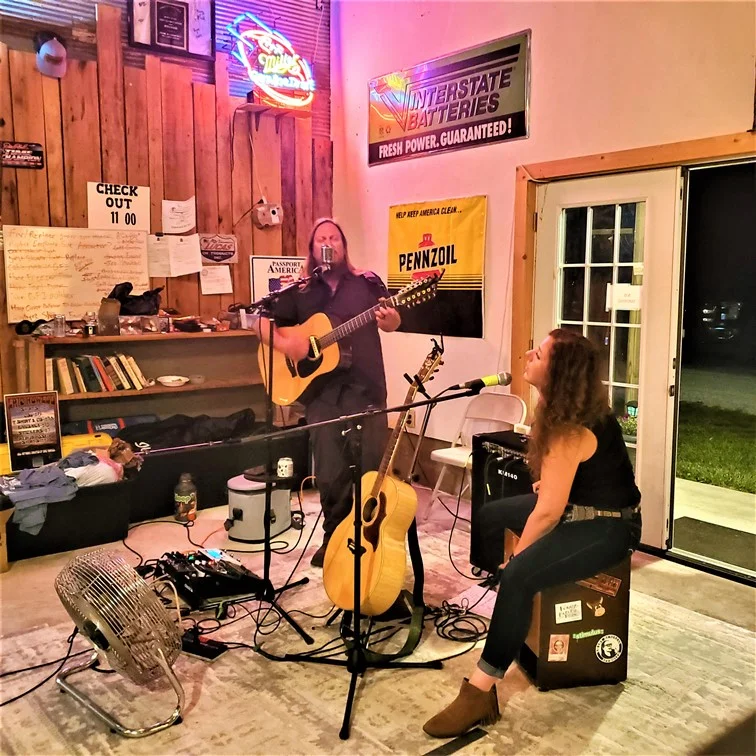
(326, 257)
(500, 379)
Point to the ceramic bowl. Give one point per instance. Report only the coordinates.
(172, 380)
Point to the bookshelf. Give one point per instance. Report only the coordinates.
(227, 360)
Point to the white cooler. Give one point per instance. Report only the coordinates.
(246, 509)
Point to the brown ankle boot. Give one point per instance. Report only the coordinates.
(471, 707)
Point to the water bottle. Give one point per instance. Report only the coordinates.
(185, 499)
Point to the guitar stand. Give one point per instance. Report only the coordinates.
(359, 657)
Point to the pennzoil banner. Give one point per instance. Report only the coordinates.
(430, 236)
(473, 97)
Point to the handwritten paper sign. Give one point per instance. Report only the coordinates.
(69, 270)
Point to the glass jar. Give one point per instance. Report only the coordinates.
(59, 326)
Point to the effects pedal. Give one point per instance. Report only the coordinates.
(208, 578)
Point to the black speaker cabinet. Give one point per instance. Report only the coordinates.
(498, 471)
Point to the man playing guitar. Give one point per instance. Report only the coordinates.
(341, 292)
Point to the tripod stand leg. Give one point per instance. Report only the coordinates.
(308, 639)
(347, 721)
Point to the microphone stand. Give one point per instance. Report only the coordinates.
(263, 306)
(359, 657)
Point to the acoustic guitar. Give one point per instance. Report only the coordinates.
(388, 508)
(292, 379)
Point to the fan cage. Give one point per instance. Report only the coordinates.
(101, 589)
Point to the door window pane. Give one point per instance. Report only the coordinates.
(573, 283)
(626, 355)
(575, 223)
(599, 278)
(601, 337)
(632, 218)
(602, 234)
(625, 408)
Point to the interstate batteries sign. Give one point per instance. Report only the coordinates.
(473, 97)
(447, 235)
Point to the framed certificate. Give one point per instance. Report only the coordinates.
(178, 27)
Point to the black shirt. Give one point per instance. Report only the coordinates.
(606, 479)
(354, 294)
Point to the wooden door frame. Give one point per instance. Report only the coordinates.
(527, 178)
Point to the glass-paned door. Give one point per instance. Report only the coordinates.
(607, 266)
(598, 292)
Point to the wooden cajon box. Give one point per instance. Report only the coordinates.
(578, 634)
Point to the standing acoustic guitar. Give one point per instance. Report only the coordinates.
(388, 508)
(291, 379)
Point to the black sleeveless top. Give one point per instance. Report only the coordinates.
(606, 479)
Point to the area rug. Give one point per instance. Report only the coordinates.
(715, 542)
(691, 678)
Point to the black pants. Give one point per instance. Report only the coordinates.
(572, 551)
(334, 452)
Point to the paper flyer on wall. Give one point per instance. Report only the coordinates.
(216, 279)
(179, 216)
(171, 256)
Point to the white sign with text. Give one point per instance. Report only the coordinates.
(113, 206)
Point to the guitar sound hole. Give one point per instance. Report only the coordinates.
(368, 508)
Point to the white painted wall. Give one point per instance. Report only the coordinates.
(605, 76)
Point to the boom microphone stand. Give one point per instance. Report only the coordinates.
(269, 594)
(359, 657)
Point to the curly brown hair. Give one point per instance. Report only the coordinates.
(573, 395)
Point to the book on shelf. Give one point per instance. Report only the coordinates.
(107, 383)
(50, 375)
(128, 365)
(125, 382)
(88, 373)
(82, 386)
(64, 376)
(111, 371)
(139, 374)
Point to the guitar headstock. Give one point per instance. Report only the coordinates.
(430, 365)
(419, 291)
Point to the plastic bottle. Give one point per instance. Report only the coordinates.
(185, 499)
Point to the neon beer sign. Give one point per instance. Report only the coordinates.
(281, 77)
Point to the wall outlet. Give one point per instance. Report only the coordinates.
(410, 423)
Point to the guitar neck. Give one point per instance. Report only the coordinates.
(357, 322)
(388, 455)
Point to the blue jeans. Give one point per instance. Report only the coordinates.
(571, 551)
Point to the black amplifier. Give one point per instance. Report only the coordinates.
(205, 579)
(499, 470)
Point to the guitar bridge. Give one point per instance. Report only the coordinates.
(314, 348)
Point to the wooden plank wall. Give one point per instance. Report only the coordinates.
(155, 127)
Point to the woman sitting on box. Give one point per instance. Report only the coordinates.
(578, 457)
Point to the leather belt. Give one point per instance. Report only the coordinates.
(581, 513)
